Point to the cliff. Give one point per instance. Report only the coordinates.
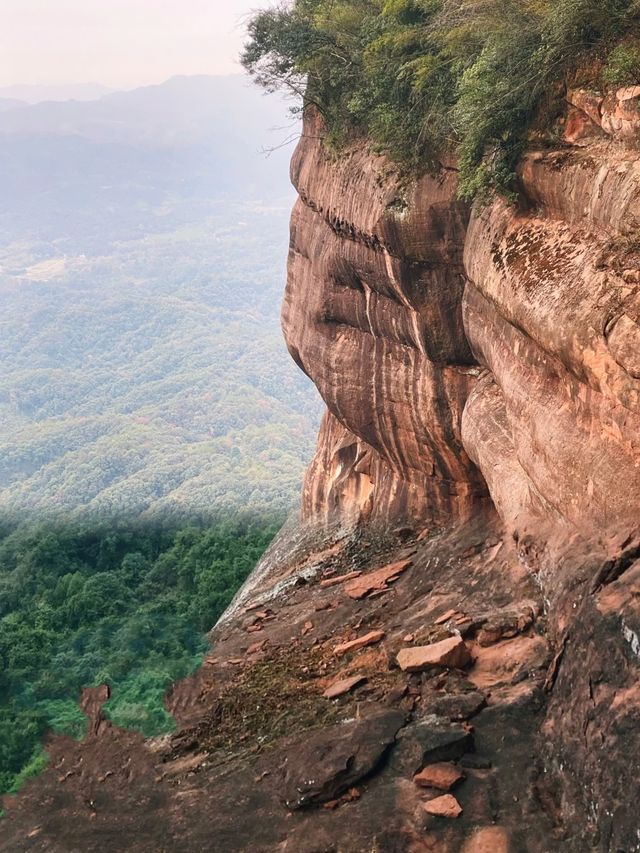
(509, 338)
(454, 623)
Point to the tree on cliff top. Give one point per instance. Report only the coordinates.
(420, 76)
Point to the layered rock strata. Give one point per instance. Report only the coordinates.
(511, 339)
(373, 314)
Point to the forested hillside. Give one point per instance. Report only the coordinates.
(153, 379)
(142, 248)
(126, 606)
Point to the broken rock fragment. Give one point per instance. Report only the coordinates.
(444, 806)
(331, 760)
(442, 776)
(452, 652)
(446, 617)
(377, 580)
(327, 582)
(344, 685)
(254, 648)
(359, 643)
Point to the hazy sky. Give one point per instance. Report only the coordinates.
(119, 42)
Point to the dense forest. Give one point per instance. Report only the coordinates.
(126, 605)
(152, 379)
(420, 76)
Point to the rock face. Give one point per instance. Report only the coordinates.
(510, 337)
(551, 311)
(471, 514)
(373, 314)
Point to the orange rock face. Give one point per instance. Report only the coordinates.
(510, 337)
(373, 314)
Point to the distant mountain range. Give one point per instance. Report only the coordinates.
(10, 104)
(30, 94)
(212, 131)
(181, 112)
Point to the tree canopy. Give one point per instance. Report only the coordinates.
(125, 605)
(421, 76)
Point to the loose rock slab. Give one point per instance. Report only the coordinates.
(452, 652)
(442, 776)
(376, 580)
(444, 806)
(327, 582)
(446, 616)
(359, 643)
(339, 688)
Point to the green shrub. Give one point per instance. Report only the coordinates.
(623, 66)
(36, 765)
(420, 76)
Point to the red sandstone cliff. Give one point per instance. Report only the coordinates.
(460, 600)
(373, 314)
(511, 339)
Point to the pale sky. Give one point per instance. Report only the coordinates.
(119, 43)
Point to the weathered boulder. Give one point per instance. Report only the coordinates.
(333, 759)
